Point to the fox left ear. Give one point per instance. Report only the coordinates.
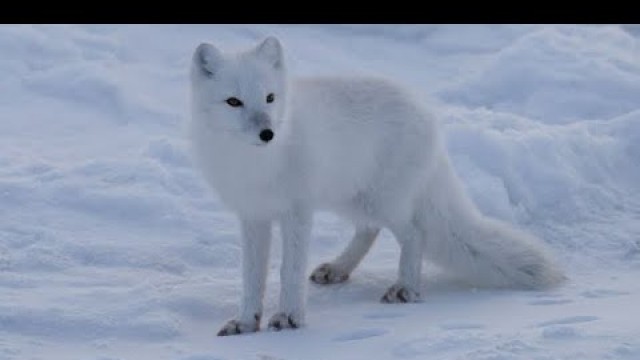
(271, 51)
(207, 59)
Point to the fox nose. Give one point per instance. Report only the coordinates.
(266, 135)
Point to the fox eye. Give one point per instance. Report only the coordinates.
(234, 102)
(270, 98)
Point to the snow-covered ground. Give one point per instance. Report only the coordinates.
(113, 247)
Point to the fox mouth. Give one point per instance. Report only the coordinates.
(259, 143)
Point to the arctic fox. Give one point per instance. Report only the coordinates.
(277, 149)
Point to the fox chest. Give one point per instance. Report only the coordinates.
(249, 188)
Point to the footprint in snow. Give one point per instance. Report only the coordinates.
(202, 357)
(569, 320)
(560, 332)
(602, 293)
(626, 350)
(383, 315)
(550, 302)
(460, 326)
(360, 334)
(439, 344)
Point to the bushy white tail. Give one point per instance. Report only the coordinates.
(483, 251)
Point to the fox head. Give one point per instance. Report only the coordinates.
(241, 94)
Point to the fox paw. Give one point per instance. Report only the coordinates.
(328, 274)
(400, 294)
(236, 327)
(282, 320)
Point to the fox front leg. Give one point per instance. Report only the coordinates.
(296, 231)
(256, 240)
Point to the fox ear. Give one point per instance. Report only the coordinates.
(270, 50)
(207, 58)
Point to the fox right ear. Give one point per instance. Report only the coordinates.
(207, 58)
(270, 50)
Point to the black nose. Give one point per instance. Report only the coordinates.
(266, 135)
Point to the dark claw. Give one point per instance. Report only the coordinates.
(398, 294)
(226, 332)
(235, 327)
(385, 298)
(325, 274)
(292, 323)
(283, 321)
(402, 295)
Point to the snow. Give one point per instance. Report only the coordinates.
(113, 247)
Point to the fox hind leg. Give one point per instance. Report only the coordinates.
(406, 288)
(340, 268)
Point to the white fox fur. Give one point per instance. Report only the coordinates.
(363, 148)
